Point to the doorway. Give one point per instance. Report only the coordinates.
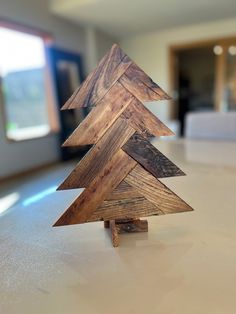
(203, 78)
(68, 74)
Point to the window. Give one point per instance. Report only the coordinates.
(26, 90)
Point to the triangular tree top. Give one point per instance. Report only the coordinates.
(115, 66)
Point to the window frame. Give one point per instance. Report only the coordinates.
(51, 103)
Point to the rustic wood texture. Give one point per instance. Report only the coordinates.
(124, 209)
(120, 171)
(108, 71)
(114, 234)
(99, 189)
(124, 202)
(101, 117)
(144, 121)
(98, 156)
(123, 191)
(150, 157)
(156, 192)
(132, 226)
(141, 85)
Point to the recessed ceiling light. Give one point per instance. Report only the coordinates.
(232, 50)
(218, 50)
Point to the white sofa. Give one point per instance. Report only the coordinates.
(211, 125)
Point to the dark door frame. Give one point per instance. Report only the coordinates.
(56, 55)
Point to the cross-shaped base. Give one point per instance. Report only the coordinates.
(125, 226)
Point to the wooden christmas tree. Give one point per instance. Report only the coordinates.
(120, 172)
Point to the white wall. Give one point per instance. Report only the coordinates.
(17, 157)
(98, 45)
(150, 51)
(91, 59)
(103, 43)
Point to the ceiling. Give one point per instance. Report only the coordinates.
(123, 18)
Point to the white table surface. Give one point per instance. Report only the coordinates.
(185, 264)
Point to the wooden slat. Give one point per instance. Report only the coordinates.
(150, 157)
(124, 209)
(156, 192)
(144, 121)
(108, 71)
(99, 189)
(101, 117)
(98, 156)
(141, 85)
(123, 191)
(125, 202)
(114, 233)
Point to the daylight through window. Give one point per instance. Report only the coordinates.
(23, 84)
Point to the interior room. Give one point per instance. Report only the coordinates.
(179, 70)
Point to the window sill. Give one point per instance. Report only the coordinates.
(29, 134)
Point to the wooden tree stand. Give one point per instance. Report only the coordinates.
(121, 172)
(125, 226)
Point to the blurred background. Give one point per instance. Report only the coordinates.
(49, 46)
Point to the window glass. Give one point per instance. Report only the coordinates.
(23, 84)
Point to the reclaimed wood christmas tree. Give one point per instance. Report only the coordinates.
(121, 172)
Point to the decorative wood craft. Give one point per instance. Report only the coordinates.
(121, 172)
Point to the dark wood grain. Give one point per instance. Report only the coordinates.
(156, 192)
(144, 121)
(150, 157)
(124, 209)
(105, 75)
(98, 156)
(124, 202)
(141, 85)
(101, 118)
(99, 189)
(123, 191)
(106, 224)
(135, 225)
